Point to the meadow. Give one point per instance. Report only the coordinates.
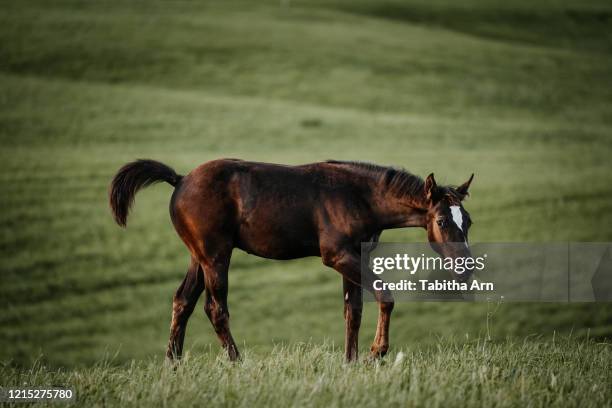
(516, 92)
(565, 373)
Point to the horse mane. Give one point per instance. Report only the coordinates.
(395, 180)
(399, 181)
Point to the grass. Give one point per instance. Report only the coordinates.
(508, 374)
(518, 93)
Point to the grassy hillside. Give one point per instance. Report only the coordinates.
(518, 94)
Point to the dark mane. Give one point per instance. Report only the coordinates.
(399, 181)
(396, 180)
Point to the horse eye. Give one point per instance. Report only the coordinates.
(441, 222)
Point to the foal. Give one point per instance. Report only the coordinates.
(284, 212)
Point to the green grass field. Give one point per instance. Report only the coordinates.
(553, 374)
(520, 94)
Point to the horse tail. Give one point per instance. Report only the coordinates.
(131, 178)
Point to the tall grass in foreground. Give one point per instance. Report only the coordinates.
(530, 373)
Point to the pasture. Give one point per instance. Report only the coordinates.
(563, 373)
(518, 93)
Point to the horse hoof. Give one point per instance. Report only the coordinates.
(234, 355)
(172, 363)
(378, 352)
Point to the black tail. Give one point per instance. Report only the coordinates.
(131, 178)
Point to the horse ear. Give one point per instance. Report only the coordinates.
(463, 189)
(430, 186)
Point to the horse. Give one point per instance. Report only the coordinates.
(325, 209)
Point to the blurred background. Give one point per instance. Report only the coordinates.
(518, 92)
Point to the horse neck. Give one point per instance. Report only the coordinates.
(400, 209)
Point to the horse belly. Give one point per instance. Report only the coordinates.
(278, 238)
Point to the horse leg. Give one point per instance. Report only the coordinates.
(353, 305)
(183, 303)
(380, 346)
(347, 262)
(216, 302)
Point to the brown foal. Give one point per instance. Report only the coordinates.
(284, 212)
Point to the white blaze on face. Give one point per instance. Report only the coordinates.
(458, 218)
